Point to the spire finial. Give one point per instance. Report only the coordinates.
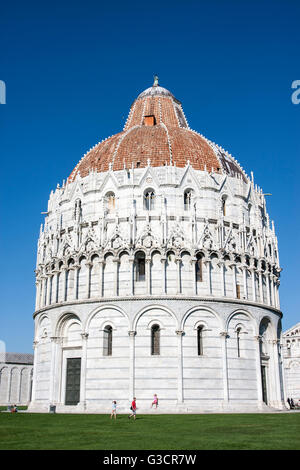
(155, 83)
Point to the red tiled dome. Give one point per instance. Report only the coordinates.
(157, 132)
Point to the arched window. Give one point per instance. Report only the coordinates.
(238, 341)
(155, 340)
(200, 340)
(149, 199)
(140, 266)
(107, 341)
(110, 202)
(199, 268)
(187, 199)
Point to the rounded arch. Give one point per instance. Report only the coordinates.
(267, 328)
(98, 309)
(154, 250)
(200, 308)
(63, 320)
(94, 254)
(155, 321)
(122, 251)
(254, 323)
(149, 196)
(185, 251)
(141, 312)
(188, 194)
(110, 201)
(38, 324)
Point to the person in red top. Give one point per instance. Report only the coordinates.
(133, 409)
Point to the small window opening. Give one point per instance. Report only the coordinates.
(200, 340)
(140, 267)
(238, 341)
(149, 199)
(187, 200)
(155, 340)
(149, 120)
(107, 341)
(199, 269)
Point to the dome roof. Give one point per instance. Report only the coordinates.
(156, 133)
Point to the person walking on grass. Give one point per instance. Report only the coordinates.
(155, 401)
(133, 409)
(114, 410)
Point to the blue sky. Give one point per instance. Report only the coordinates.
(72, 70)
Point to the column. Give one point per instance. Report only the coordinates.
(37, 297)
(277, 284)
(261, 294)
(88, 280)
(35, 361)
(207, 262)
(193, 263)
(131, 273)
(84, 337)
(116, 275)
(234, 280)
(179, 334)
(273, 302)
(75, 290)
(8, 386)
(268, 289)
(253, 285)
(29, 385)
(245, 282)
(101, 265)
(56, 286)
(148, 275)
(221, 265)
(131, 363)
(53, 368)
(64, 281)
(163, 275)
(224, 335)
(277, 391)
(19, 385)
(257, 340)
(42, 298)
(178, 262)
(49, 289)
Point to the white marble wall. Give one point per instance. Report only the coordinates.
(86, 278)
(218, 379)
(15, 384)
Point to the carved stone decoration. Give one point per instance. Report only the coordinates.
(146, 238)
(206, 239)
(117, 239)
(177, 238)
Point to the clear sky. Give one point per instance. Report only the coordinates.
(72, 70)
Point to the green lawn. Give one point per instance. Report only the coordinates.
(149, 432)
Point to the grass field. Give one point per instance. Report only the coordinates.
(25, 431)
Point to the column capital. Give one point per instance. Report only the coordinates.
(179, 332)
(257, 337)
(132, 333)
(84, 336)
(55, 339)
(224, 334)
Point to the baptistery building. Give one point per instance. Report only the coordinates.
(157, 273)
